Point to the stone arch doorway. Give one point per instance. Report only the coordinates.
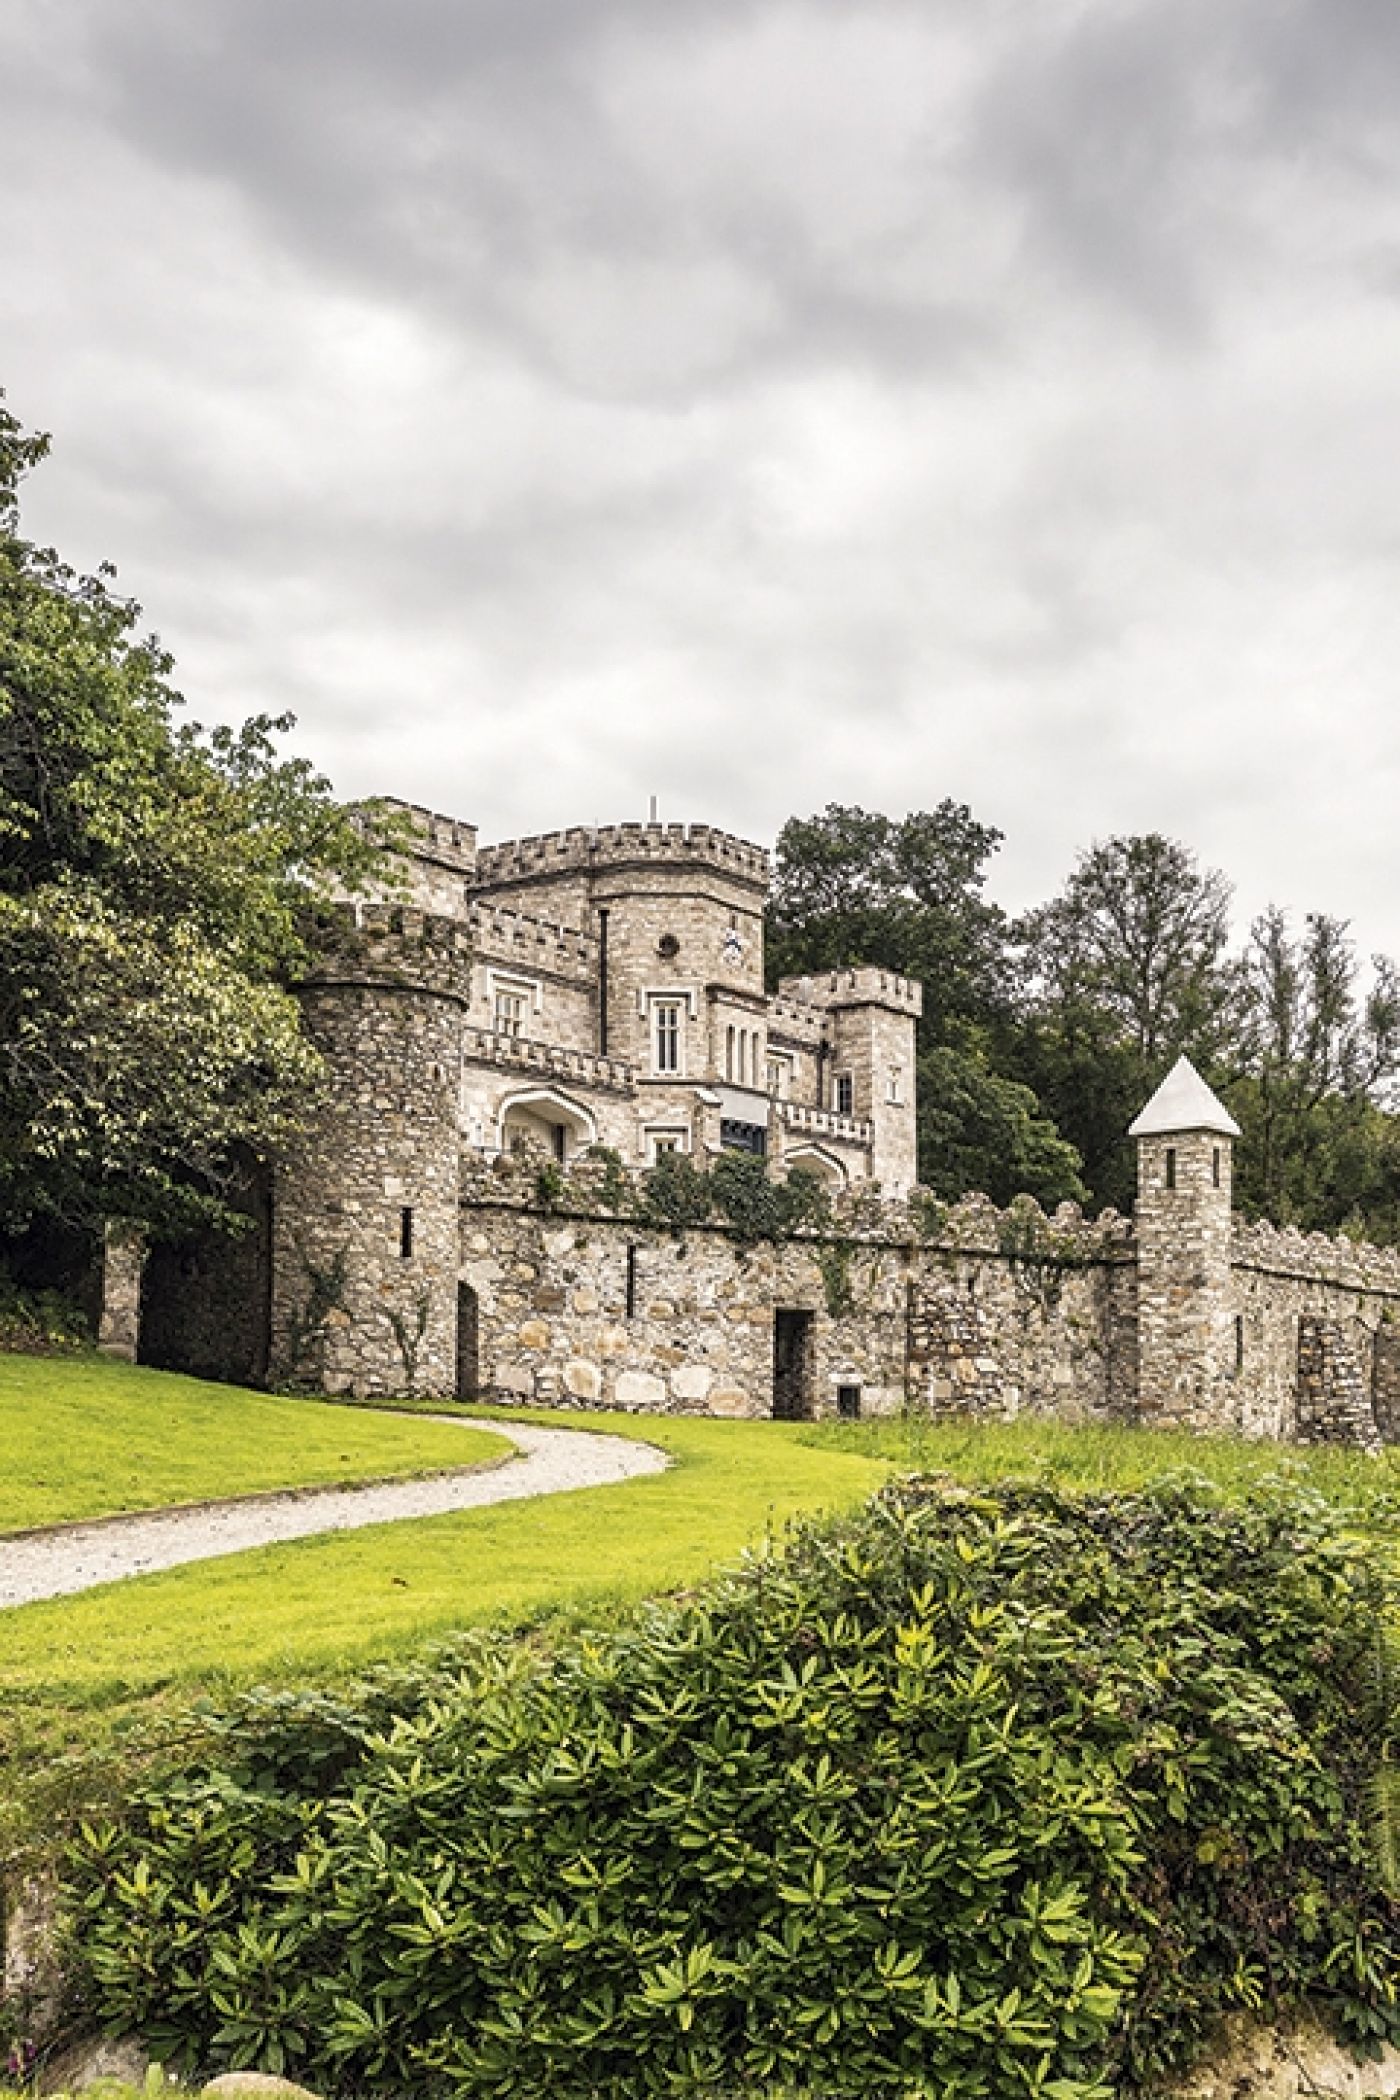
(542, 1119)
(823, 1166)
(468, 1343)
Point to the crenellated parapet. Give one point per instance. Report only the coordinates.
(1023, 1232)
(398, 946)
(794, 1021)
(514, 937)
(1020, 1233)
(589, 848)
(1314, 1257)
(828, 990)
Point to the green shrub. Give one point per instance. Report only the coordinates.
(977, 1794)
(41, 1322)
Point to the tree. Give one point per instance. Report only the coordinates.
(1319, 1055)
(854, 886)
(152, 883)
(1124, 970)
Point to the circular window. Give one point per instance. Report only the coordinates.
(668, 946)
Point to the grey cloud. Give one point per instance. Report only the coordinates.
(754, 404)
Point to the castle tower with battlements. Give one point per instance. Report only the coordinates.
(366, 1225)
(617, 1000)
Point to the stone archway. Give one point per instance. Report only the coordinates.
(822, 1165)
(544, 1119)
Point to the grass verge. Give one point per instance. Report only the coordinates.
(82, 1437)
(1100, 1458)
(318, 1606)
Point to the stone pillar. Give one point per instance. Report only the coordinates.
(1183, 1232)
(123, 1263)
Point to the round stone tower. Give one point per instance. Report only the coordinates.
(366, 1235)
(1185, 1144)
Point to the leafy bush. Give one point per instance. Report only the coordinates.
(41, 1322)
(976, 1794)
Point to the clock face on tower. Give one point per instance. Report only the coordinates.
(732, 948)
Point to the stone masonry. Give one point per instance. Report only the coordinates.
(516, 1035)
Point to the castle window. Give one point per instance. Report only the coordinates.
(892, 1087)
(729, 1052)
(1215, 1166)
(663, 1141)
(848, 1402)
(510, 1011)
(1239, 1341)
(844, 1094)
(666, 1037)
(780, 1078)
(630, 1284)
(1171, 1167)
(405, 1233)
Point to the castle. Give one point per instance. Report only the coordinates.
(516, 1035)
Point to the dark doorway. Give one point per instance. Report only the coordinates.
(468, 1343)
(792, 1366)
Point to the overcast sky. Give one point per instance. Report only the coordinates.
(750, 403)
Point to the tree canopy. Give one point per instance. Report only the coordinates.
(1042, 1039)
(907, 893)
(152, 877)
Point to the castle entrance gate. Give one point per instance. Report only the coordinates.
(792, 1366)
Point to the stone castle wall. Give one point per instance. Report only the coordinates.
(569, 1298)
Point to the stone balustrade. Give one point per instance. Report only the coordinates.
(824, 1122)
(519, 1053)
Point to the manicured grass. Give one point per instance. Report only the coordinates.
(1093, 1458)
(318, 1606)
(84, 1437)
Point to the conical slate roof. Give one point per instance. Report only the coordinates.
(1183, 1102)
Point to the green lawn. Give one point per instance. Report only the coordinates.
(84, 1437)
(1102, 1458)
(320, 1605)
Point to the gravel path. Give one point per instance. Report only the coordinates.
(79, 1556)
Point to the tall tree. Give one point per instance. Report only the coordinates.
(1320, 1054)
(1125, 969)
(152, 880)
(852, 885)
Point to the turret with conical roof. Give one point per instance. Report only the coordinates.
(1185, 1306)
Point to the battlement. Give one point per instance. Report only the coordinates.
(794, 1020)
(360, 941)
(443, 839)
(866, 986)
(502, 935)
(1314, 1257)
(1022, 1235)
(586, 848)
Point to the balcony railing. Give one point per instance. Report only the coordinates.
(488, 1046)
(824, 1122)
